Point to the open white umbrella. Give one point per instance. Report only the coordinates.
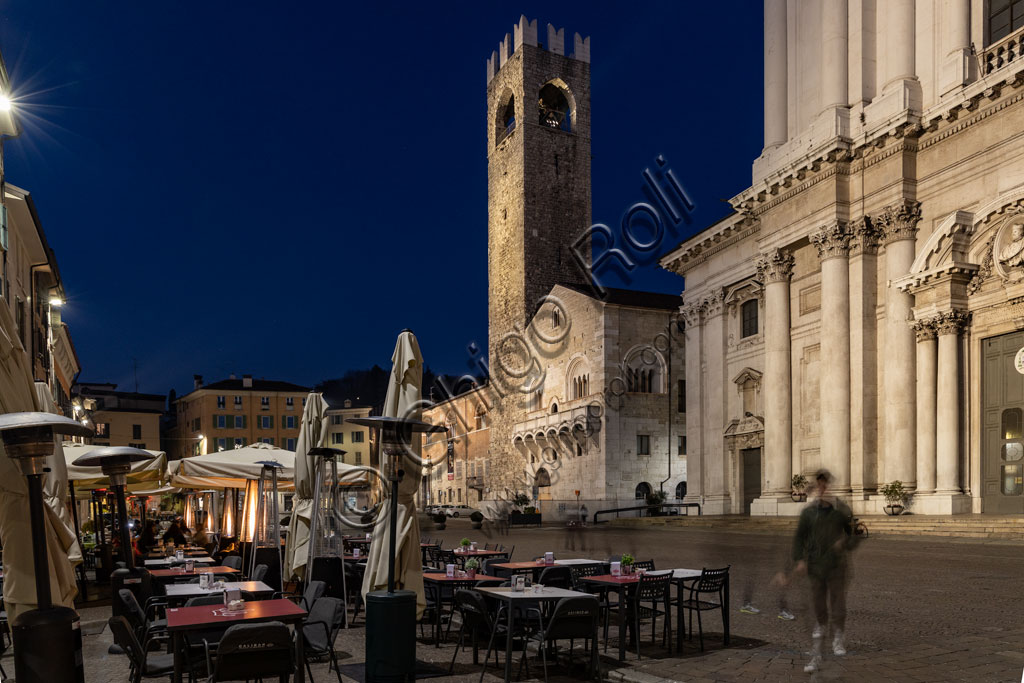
(144, 475)
(312, 434)
(403, 401)
(17, 394)
(232, 468)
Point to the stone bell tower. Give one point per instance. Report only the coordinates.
(538, 203)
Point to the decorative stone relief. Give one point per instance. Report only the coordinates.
(985, 271)
(1008, 248)
(951, 322)
(899, 221)
(775, 266)
(867, 236)
(833, 240)
(713, 303)
(691, 314)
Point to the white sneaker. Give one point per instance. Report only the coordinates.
(786, 615)
(818, 631)
(812, 666)
(749, 609)
(838, 648)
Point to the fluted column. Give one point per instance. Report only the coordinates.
(947, 402)
(775, 270)
(898, 26)
(863, 354)
(693, 319)
(926, 392)
(833, 243)
(835, 72)
(716, 494)
(899, 223)
(776, 98)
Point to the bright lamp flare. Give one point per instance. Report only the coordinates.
(5, 102)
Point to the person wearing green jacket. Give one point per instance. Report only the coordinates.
(824, 537)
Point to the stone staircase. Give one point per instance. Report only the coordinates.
(992, 527)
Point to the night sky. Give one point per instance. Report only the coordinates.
(279, 188)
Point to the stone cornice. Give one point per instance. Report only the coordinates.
(833, 240)
(703, 246)
(775, 266)
(899, 221)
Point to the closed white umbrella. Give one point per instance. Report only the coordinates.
(18, 395)
(402, 401)
(55, 483)
(312, 434)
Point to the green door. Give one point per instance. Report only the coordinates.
(1002, 400)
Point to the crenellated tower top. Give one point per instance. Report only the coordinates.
(525, 33)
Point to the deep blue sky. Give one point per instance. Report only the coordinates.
(279, 188)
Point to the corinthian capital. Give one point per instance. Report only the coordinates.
(951, 322)
(899, 221)
(924, 329)
(833, 240)
(775, 266)
(867, 236)
(691, 314)
(712, 304)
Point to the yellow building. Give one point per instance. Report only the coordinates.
(120, 418)
(235, 412)
(456, 464)
(355, 440)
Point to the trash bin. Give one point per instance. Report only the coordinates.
(391, 637)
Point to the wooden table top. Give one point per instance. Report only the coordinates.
(168, 561)
(627, 579)
(478, 552)
(204, 616)
(191, 590)
(440, 578)
(520, 565)
(547, 593)
(171, 573)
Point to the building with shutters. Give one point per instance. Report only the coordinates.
(234, 412)
(119, 418)
(882, 237)
(355, 440)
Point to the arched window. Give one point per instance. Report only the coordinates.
(542, 478)
(643, 489)
(554, 108)
(748, 318)
(481, 417)
(554, 408)
(506, 122)
(681, 490)
(644, 370)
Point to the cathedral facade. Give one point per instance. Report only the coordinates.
(882, 237)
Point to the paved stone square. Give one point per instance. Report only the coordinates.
(918, 610)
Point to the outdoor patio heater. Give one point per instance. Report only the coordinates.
(391, 615)
(48, 639)
(326, 560)
(266, 531)
(116, 463)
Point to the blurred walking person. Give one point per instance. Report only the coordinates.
(824, 537)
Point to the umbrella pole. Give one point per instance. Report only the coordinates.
(78, 537)
(42, 567)
(394, 531)
(126, 539)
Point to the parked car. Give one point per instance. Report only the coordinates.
(459, 510)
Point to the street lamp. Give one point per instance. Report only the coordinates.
(53, 306)
(48, 639)
(391, 615)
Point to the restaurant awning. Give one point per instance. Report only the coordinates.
(232, 468)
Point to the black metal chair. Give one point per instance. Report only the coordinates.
(313, 591)
(646, 565)
(140, 665)
(652, 588)
(320, 631)
(479, 626)
(711, 581)
(259, 572)
(556, 577)
(572, 618)
(252, 651)
(144, 627)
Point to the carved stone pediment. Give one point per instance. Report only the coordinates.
(749, 424)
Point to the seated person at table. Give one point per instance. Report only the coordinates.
(201, 538)
(147, 541)
(174, 534)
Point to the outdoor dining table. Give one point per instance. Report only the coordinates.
(538, 567)
(171, 574)
(168, 561)
(462, 555)
(207, 617)
(510, 597)
(680, 577)
(440, 579)
(180, 592)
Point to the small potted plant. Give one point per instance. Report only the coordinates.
(465, 543)
(440, 521)
(654, 501)
(799, 484)
(477, 519)
(895, 497)
(627, 563)
(472, 564)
